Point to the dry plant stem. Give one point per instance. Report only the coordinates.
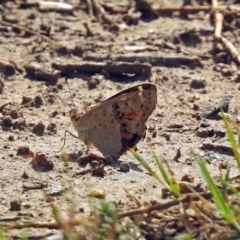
(194, 9)
(88, 29)
(234, 177)
(28, 31)
(49, 225)
(36, 71)
(103, 14)
(159, 206)
(110, 67)
(202, 213)
(218, 25)
(38, 186)
(132, 198)
(83, 172)
(90, 8)
(228, 46)
(214, 3)
(153, 59)
(115, 9)
(6, 219)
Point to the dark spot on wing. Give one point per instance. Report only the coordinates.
(115, 106)
(129, 142)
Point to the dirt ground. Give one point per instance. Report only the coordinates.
(191, 72)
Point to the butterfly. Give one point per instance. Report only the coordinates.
(118, 123)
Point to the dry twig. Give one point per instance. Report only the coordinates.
(152, 58)
(195, 9)
(227, 45)
(110, 67)
(28, 31)
(100, 10)
(160, 206)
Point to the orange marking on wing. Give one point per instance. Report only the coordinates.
(78, 115)
(127, 135)
(134, 148)
(132, 115)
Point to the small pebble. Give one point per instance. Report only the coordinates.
(93, 82)
(57, 236)
(41, 162)
(52, 127)
(195, 106)
(7, 121)
(125, 167)
(143, 225)
(154, 134)
(25, 152)
(7, 109)
(38, 101)
(220, 133)
(204, 125)
(108, 160)
(38, 128)
(11, 138)
(56, 191)
(210, 131)
(54, 113)
(187, 178)
(169, 232)
(20, 123)
(14, 114)
(203, 133)
(223, 165)
(26, 205)
(226, 72)
(15, 205)
(198, 82)
(26, 100)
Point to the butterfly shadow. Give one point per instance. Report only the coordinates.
(119, 78)
(133, 166)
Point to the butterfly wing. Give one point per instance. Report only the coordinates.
(118, 123)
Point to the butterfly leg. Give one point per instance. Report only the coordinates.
(64, 139)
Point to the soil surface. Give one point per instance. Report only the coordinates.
(191, 71)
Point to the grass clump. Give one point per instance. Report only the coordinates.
(211, 213)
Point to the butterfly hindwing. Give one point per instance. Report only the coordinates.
(118, 123)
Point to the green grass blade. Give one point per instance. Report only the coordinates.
(3, 234)
(221, 204)
(147, 167)
(173, 185)
(232, 140)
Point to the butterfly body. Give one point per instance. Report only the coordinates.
(117, 124)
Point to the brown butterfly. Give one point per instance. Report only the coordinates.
(117, 124)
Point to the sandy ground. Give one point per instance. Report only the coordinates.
(36, 116)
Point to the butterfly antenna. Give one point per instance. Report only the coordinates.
(59, 97)
(70, 91)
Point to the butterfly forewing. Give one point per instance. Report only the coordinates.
(118, 123)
